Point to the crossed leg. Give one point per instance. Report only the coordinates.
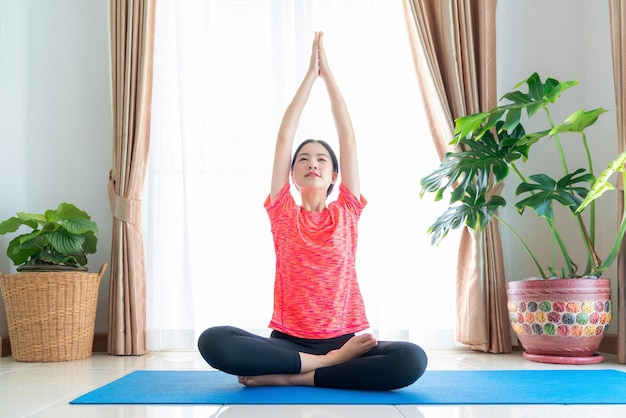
(351, 362)
(353, 348)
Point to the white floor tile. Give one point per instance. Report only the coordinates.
(497, 411)
(309, 411)
(44, 390)
(128, 411)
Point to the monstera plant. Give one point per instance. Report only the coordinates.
(494, 145)
(556, 321)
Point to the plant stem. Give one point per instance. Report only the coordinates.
(618, 239)
(555, 233)
(592, 205)
(590, 240)
(552, 245)
(521, 241)
(519, 173)
(559, 146)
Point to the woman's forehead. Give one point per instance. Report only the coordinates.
(313, 148)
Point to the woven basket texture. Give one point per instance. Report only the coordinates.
(51, 315)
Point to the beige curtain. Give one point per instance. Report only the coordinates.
(454, 47)
(617, 15)
(132, 42)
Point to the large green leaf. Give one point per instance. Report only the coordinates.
(578, 121)
(79, 225)
(65, 211)
(20, 253)
(602, 183)
(31, 217)
(539, 93)
(569, 191)
(482, 164)
(90, 244)
(466, 126)
(472, 211)
(12, 224)
(65, 242)
(534, 137)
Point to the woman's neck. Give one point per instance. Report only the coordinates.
(314, 202)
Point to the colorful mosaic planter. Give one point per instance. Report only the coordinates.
(562, 317)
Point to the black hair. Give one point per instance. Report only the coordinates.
(333, 158)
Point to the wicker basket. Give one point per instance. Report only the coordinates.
(51, 315)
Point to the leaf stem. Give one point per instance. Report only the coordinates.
(521, 241)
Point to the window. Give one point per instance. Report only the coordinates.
(224, 73)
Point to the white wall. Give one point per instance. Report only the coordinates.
(55, 117)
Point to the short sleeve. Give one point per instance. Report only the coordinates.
(349, 201)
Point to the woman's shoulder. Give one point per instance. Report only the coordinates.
(283, 196)
(348, 200)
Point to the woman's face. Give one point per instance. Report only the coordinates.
(313, 168)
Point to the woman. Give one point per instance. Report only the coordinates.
(318, 308)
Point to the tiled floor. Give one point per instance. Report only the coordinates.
(45, 389)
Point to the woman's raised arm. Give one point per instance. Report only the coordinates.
(348, 163)
(289, 124)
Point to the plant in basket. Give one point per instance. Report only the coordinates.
(493, 146)
(51, 303)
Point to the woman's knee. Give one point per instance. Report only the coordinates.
(419, 359)
(412, 363)
(213, 344)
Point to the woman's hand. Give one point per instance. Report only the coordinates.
(324, 69)
(314, 64)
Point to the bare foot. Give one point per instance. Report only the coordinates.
(353, 348)
(302, 379)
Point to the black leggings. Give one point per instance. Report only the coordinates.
(389, 365)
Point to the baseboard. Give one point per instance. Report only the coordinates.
(99, 345)
(609, 344)
(5, 349)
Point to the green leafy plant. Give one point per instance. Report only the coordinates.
(63, 236)
(493, 145)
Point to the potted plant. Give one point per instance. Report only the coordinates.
(557, 321)
(51, 303)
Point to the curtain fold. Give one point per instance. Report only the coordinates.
(454, 49)
(617, 15)
(132, 43)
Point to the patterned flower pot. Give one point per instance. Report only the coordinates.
(562, 320)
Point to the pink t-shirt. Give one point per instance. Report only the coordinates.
(316, 292)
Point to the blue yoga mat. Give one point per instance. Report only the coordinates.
(433, 388)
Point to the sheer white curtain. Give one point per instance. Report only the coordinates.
(224, 74)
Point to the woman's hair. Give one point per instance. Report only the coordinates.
(332, 154)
